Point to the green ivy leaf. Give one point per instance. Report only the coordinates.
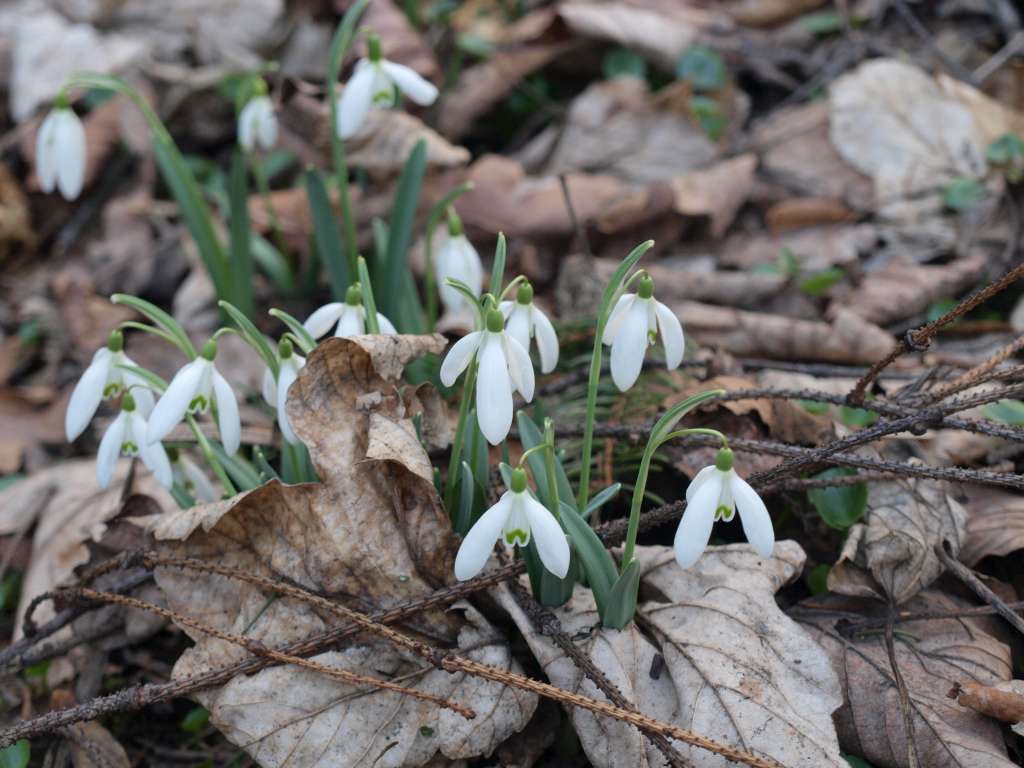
(623, 62)
(856, 417)
(701, 67)
(1005, 150)
(840, 506)
(709, 115)
(817, 579)
(1006, 411)
(963, 194)
(16, 755)
(195, 720)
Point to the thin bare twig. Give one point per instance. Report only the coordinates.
(966, 575)
(577, 226)
(913, 761)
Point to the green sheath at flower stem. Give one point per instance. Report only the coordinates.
(517, 484)
(723, 461)
(373, 47)
(115, 342)
(525, 294)
(284, 349)
(495, 321)
(354, 295)
(645, 288)
(209, 350)
(454, 223)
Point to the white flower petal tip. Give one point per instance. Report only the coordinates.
(457, 259)
(716, 494)
(61, 153)
(632, 326)
(257, 124)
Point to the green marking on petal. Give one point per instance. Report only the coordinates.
(723, 513)
(113, 389)
(198, 404)
(517, 536)
(128, 448)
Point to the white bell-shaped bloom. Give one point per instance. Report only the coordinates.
(104, 378)
(457, 259)
(275, 392)
(504, 367)
(637, 320)
(374, 81)
(348, 317)
(257, 124)
(126, 436)
(60, 153)
(190, 478)
(516, 518)
(715, 493)
(525, 321)
(195, 387)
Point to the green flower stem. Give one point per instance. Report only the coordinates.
(211, 458)
(369, 304)
(460, 436)
(259, 173)
(610, 294)
(549, 466)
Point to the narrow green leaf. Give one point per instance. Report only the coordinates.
(243, 474)
(369, 304)
(195, 720)
(10, 588)
(621, 605)
(818, 283)
(602, 498)
(16, 755)
(597, 563)
(817, 579)
(272, 263)
(530, 435)
(464, 515)
(259, 459)
(1007, 411)
(400, 305)
(325, 235)
(548, 589)
(252, 335)
(498, 269)
(840, 506)
(161, 318)
(240, 281)
(857, 417)
(306, 342)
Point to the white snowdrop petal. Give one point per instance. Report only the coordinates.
(694, 530)
(110, 449)
(518, 325)
(138, 386)
(170, 409)
(506, 308)
(699, 479)
(87, 395)
(268, 388)
(355, 100)
(202, 488)
(618, 314)
(552, 545)
(228, 421)
(671, 332)
(629, 347)
(247, 125)
(546, 338)
(757, 523)
(70, 154)
(154, 456)
(520, 367)
(46, 155)
(476, 548)
(266, 127)
(493, 391)
(285, 379)
(410, 82)
(385, 325)
(459, 356)
(323, 319)
(351, 322)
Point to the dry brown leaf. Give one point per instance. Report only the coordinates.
(93, 746)
(892, 553)
(69, 510)
(847, 339)
(28, 423)
(901, 289)
(87, 317)
(15, 218)
(932, 657)
(816, 248)
(1003, 702)
(786, 420)
(766, 13)
(373, 535)
(718, 192)
(714, 655)
(995, 524)
(659, 31)
(387, 137)
(800, 212)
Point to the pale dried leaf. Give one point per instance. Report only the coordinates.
(718, 192)
(802, 212)
(932, 656)
(93, 746)
(995, 524)
(1003, 701)
(766, 13)
(373, 535)
(815, 248)
(736, 668)
(387, 136)
(892, 553)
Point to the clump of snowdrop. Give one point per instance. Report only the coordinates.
(106, 377)
(348, 317)
(515, 519)
(196, 387)
(61, 151)
(634, 325)
(275, 391)
(257, 123)
(377, 81)
(525, 321)
(126, 436)
(457, 259)
(716, 493)
(504, 367)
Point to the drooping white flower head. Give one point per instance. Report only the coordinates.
(524, 320)
(349, 318)
(504, 368)
(637, 320)
(104, 378)
(195, 387)
(516, 518)
(715, 493)
(257, 123)
(190, 478)
(275, 392)
(126, 436)
(60, 152)
(375, 81)
(457, 259)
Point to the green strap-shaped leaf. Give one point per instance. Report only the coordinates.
(398, 294)
(325, 235)
(239, 278)
(597, 563)
(621, 605)
(160, 318)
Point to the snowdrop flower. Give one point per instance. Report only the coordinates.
(523, 320)
(715, 493)
(458, 259)
(374, 82)
(257, 123)
(190, 478)
(504, 368)
(275, 393)
(60, 152)
(350, 317)
(515, 518)
(195, 387)
(634, 324)
(126, 436)
(105, 379)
